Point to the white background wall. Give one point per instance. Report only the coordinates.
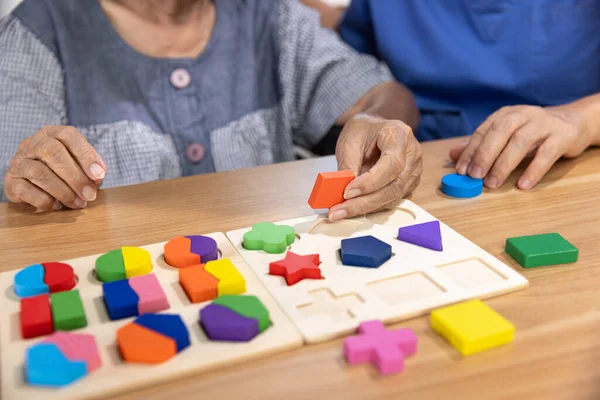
(6, 6)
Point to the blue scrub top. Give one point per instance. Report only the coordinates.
(464, 59)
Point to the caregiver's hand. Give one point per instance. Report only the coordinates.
(54, 167)
(512, 133)
(386, 159)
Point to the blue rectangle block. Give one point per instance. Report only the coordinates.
(120, 299)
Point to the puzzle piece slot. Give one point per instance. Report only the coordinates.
(325, 302)
(336, 229)
(404, 288)
(473, 272)
(396, 216)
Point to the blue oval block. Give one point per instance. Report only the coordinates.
(461, 186)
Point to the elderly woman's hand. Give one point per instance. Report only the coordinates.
(54, 167)
(386, 159)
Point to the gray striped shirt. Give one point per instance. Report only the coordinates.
(269, 77)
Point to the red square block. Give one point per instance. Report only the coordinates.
(329, 189)
(36, 316)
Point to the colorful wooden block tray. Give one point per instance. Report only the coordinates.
(114, 375)
(413, 282)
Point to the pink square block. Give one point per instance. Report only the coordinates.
(151, 296)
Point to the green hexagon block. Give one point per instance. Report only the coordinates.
(248, 306)
(541, 250)
(269, 237)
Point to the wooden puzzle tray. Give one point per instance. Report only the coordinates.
(117, 376)
(413, 282)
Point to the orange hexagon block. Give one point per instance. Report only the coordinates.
(142, 345)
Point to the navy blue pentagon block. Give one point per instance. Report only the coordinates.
(365, 251)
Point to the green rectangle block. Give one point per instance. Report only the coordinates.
(67, 311)
(541, 250)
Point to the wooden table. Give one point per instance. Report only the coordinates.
(556, 350)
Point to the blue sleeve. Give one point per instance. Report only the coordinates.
(356, 27)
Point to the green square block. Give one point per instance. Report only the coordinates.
(541, 250)
(67, 311)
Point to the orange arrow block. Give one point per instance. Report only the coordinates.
(199, 285)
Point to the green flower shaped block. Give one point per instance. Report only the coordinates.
(269, 237)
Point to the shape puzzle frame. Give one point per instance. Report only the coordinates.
(462, 271)
(115, 376)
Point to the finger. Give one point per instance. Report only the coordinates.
(464, 159)
(515, 151)
(368, 203)
(84, 153)
(20, 190)
(456, 151)
(44, 178)
(55, 155)
(547, 154)
(393, 191)
(495, 141)
(391, 141)
(348, 152)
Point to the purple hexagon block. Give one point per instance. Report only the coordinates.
(223, 324)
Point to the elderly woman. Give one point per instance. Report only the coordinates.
(117, 92)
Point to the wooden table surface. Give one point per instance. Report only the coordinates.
(557, 346)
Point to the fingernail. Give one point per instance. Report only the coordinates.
(525, 184)
(461, 167)
(337, 215)
(475, 171)
(97, 171)
(352, 193)
(492, 182)
(89, 193)
(57, 205)
(79, 203)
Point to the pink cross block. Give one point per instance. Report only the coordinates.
(386, 349)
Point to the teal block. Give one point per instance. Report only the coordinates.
(46, 365)
(30, 281)
(541, 250)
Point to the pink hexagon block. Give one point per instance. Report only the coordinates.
(77, 347)
(375, 344)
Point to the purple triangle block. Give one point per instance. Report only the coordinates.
(223, 324)
(426, 235)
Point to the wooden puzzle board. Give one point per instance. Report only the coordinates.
(413, 282)
(115, 375)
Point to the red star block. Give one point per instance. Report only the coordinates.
(295, 268)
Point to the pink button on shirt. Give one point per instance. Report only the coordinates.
(180, 78)
(195, 153)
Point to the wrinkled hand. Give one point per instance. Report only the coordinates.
(54, 167)
(511, 134)
(386, 159)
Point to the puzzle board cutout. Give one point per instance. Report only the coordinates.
(413, 282)
(115, 376)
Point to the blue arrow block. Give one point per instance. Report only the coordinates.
(46, 365)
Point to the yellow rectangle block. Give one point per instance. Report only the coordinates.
(472, 327)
